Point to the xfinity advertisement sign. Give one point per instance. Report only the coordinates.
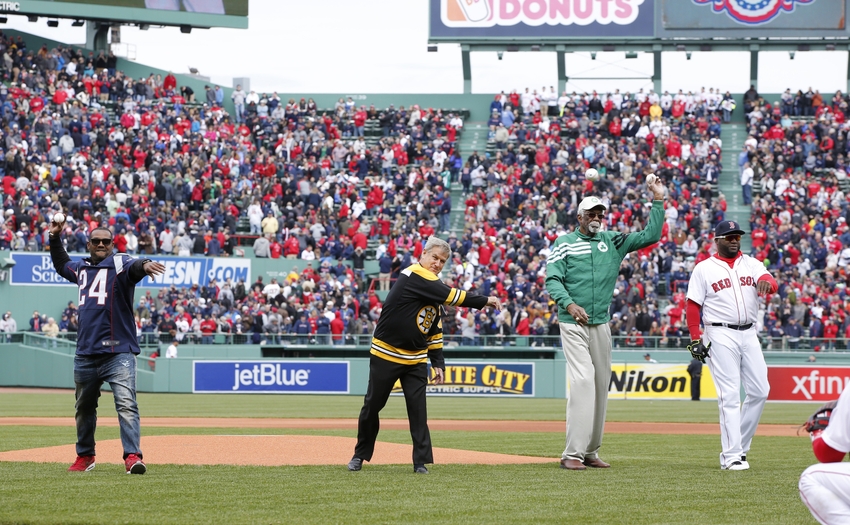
(270, 377)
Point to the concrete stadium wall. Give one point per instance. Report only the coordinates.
(47, 366)
(29, 366)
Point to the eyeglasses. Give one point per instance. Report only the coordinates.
(735, 237)
(104, 242)
(591, 215)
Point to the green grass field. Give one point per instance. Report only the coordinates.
(654, 479)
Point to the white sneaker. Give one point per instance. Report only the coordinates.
(737, 465)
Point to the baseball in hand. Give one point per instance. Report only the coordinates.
(59, 218)
(591, 174)
(651, 178)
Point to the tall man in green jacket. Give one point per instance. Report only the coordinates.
(581, 273)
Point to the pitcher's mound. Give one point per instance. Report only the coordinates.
(261, 450)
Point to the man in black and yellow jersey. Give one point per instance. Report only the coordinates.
(409, 332)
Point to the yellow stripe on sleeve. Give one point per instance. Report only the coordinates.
(452, 294)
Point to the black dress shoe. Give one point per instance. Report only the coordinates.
(355, 464)
(420, 469)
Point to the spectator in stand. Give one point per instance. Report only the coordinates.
(238, 97)
(262, 246)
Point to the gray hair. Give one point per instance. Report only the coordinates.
(436, 242)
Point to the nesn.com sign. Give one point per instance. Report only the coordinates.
(37, 269)
(270, 377)
(186, 271)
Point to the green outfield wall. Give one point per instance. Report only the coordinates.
(38, 361)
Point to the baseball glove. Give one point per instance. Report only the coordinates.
(698, 350)
(818, 421)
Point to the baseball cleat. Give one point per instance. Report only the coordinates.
(82, 464)
(737, 465)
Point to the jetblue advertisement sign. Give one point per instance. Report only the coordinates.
(270, 377)
(37, 269)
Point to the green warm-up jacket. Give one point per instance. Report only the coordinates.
(583, 269)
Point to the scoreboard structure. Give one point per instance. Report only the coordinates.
(101, 15)
(633, 26)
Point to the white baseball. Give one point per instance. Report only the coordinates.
(591, 174)
(651, 178)
(59, 218)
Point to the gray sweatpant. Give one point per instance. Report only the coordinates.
(588, 353)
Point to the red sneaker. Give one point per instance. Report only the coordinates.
(135, 465)
(82, 464)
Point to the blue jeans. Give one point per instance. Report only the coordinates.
(747, 193)
(90, 372)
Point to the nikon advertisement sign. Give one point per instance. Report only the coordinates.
(512, 379)
(657, 381)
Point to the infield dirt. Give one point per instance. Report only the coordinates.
(280, 450)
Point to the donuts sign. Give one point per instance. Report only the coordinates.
(490, 13)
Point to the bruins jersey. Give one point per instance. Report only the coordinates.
(410, 328)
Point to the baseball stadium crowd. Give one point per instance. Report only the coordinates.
(800, 210)
(170, 171)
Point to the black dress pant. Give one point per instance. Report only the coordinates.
(382, 376)
(695, 390)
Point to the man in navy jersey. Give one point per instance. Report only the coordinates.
(106, 342)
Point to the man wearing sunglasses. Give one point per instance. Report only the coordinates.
(106, 342)
(581, 273)
(725, 290)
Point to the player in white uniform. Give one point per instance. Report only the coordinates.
(725, 289)
(825, 487)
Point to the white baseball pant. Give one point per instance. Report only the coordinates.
(825, 489)
(736, 359)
